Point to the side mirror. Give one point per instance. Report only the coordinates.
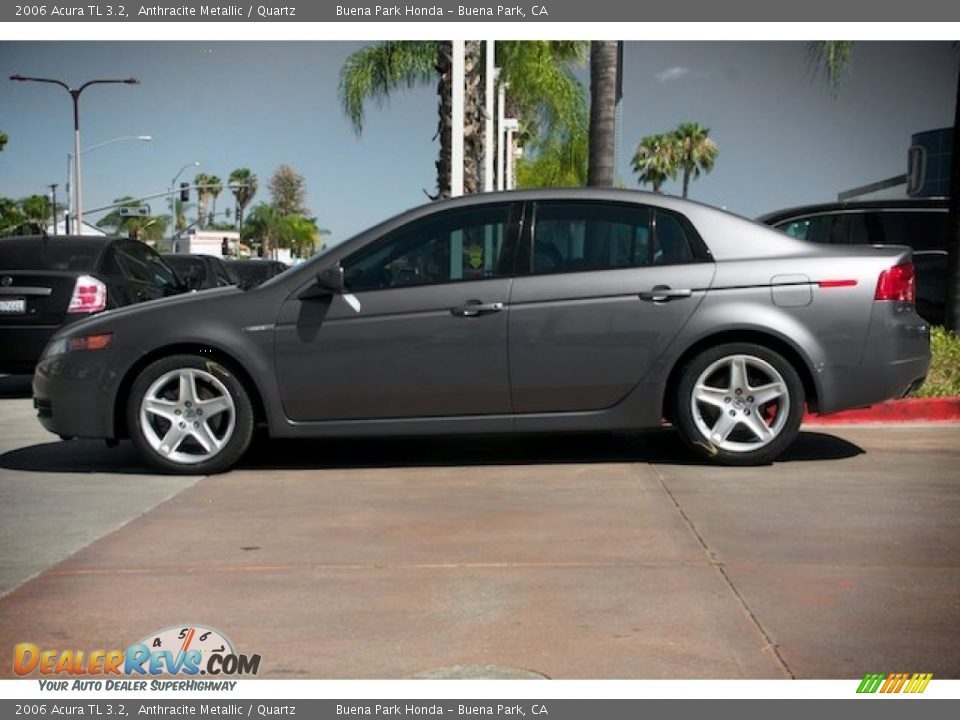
(331, 278)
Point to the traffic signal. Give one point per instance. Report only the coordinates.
(184, 192)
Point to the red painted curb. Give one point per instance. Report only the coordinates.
(894, 411)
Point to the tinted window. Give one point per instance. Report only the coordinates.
(37, 253)
(221, 272)
(931, 271)
(188, 268)
(578, 237)
(815, 228)
(919, 230)
(143, 264)
(449, 247)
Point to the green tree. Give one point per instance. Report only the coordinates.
(138, 227)
(696, 152)
(833, 58)
(604, 59)
(542, 90)
(12, 218)
(656, 160)
(288, 191)
(3, 140)
(243, 184)
(263, 225)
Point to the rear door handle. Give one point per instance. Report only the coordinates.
(472, 308)
(664, 293)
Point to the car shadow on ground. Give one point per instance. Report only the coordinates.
(15, 386)
(655, 446)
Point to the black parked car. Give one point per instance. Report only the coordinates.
(46, 282)
(919, 224)
(201, 272)
(251, 273)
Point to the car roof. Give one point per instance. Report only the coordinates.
(855, 205)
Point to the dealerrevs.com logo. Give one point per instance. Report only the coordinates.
(186, 650)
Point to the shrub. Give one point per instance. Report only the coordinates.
(943, 378)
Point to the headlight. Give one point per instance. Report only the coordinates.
(80, 342)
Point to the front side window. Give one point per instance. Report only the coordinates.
(582, 237)
(143, 264)
(453, 246)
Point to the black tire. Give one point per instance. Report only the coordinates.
(211, 381)
(743, 445)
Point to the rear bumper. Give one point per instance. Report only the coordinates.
(21, 346)
(895, 361)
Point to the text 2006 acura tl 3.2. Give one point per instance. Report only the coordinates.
(525, 311)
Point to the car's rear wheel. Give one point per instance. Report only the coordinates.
(739, 404)
(190, 415)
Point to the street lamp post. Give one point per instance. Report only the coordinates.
(125, 138)
(75, 95)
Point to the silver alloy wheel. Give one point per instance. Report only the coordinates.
(740, 403)
(187, 415)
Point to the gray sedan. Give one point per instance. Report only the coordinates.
(553, 310)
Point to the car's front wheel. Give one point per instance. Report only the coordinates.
(190, 415)
(739, 404)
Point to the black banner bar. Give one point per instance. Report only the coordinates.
(738, 11)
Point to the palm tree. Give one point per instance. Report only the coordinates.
(542, 88)
(604, 60)
(201, 180)
(214, 188)
(264, 224)
(696, 152)
(243, 184)
(656, 160)
(833, 58)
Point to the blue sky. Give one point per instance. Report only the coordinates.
(783, 138)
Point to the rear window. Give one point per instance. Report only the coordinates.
(919, 230)
(49, 254)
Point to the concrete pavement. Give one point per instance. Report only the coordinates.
(573, 557)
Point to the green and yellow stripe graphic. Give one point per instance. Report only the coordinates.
(894, 682)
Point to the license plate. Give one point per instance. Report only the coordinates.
(13, 306)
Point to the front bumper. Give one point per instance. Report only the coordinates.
(75, 392)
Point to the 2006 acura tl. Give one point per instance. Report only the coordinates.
(523, 311)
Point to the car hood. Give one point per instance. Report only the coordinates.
(186, 303)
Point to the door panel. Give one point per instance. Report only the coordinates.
(581, 340)
(426, 335)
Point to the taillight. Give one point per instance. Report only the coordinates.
(897, 283)
(89, 296)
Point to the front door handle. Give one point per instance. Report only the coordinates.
(472, 308)
(664, 293)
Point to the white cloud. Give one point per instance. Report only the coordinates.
(674, 73)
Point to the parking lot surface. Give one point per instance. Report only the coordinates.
(566, 556)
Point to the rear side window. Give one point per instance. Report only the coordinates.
(816, 228)
(143, 264)
(583, 237)
(919, 230)
(37, 253)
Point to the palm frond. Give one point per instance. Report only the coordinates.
(375, 71)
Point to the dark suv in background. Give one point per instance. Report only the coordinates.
(919, 224)
(47, 282)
